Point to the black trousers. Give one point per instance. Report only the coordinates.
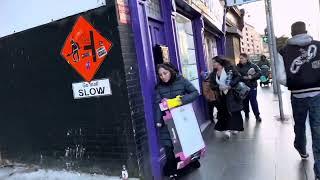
(170, 168)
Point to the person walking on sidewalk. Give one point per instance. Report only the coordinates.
(223, 78)
(250, 74)
(179, 91)
(298, 68)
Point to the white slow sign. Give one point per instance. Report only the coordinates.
(94, 88)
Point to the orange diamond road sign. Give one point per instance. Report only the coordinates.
(85, 49)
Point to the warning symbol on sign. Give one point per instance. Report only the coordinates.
(85, 49)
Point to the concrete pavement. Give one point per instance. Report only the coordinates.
(264, 151)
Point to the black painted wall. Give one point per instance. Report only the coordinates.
(41, 123)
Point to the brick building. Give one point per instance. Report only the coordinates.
(251, 41)
(43, 122)
(234, 26)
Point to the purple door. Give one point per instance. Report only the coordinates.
(157, 37)
(157, 32)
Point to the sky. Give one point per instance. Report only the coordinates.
(285, 12)
(16, 16)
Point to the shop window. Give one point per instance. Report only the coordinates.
(154, 10)
(187, 50)
(211, 49)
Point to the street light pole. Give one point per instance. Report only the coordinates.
(274, 55)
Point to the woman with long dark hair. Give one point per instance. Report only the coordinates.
(224, 78)
(171, 86)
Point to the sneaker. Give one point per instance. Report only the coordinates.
(258, 118)
(227, 134)
(304, 156)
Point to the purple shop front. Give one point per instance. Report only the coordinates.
(179, 28)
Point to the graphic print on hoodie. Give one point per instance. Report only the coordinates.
(305, 57)
(299, 68)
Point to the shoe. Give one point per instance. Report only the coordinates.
(173, 177)
(235, 132)
(227, 134)
(247, 117)
(258, 118)
(303, 155)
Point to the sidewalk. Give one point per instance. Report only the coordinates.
(264, 151)
(27, 173)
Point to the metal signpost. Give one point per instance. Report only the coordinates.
(273, 54)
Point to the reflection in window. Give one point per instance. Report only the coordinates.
(187, 50)
(153, 8)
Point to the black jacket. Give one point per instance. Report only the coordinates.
(244, 68)
(180, 86)
(234, 103)
(302, 66)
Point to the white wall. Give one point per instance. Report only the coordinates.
(19, 15)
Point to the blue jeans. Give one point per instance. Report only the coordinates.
(300, 108)
(252, 98)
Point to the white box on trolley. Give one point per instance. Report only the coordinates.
(185, 134)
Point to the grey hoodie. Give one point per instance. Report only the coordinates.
(299, 40)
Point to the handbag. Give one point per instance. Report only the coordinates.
(241, 90)
(209, 94)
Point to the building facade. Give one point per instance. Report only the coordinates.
(251, 41)
(99, 134)
(43, 121)
(190, 33)
(234, 26)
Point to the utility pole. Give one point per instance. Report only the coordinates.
(273, 54)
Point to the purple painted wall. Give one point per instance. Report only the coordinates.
(168, 12)
(143, 43)
(147, 74)
(200, 105)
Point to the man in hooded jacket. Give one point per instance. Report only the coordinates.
(298, 68)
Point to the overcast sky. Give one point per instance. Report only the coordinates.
(17, 15)
(286, 12)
